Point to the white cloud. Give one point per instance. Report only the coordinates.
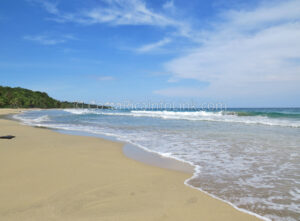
(153, 46)
(48, 40)
(169, 5)
(117, 12)
(266, 14)
(125, 12)
(248, 53)
(50, 7)
(114, 12)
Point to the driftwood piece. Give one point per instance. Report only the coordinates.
(7, 137)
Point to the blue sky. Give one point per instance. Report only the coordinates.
(241, 53)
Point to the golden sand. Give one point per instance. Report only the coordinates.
(45, 175)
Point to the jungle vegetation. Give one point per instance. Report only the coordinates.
(24, 98)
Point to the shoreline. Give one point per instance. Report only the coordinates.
(130, 150)
(139, 154)
(190, 204)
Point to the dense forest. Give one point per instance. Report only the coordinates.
(23, 98)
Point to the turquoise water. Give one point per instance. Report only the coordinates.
(248, 157)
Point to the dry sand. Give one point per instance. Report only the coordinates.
(45, 175)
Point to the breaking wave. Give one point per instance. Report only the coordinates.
(270, 119)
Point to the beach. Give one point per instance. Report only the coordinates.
(45, 175)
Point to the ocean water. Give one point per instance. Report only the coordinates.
(249, 158)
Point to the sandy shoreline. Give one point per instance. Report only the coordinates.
(45, 175)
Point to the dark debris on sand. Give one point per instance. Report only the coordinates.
(7, 137)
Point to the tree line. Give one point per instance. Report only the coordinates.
(24, 98)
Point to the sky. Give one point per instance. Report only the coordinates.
(242, 53)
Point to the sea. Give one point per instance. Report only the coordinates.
(247, 157)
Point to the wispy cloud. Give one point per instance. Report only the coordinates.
(250, 52)
(125, 12)
(153, 46)
(49, 40)
(116, 13)
(50, 7)
(169, 5)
